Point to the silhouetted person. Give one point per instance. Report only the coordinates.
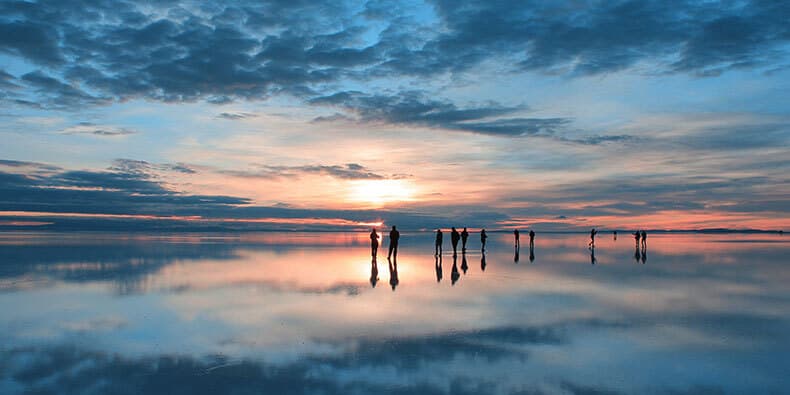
(483, 238)
(454, 275)
(644, 239)
(593, 232)
(531, 239)
(394, 274)
(374, 272)
(515, 235)
(454, 237)
(438, 266)
(531, 252)
(439, 238)
(592, 255)
(374, 243)
(394, 237)
(614, 233)
(637, 236)
(464, 237)
(464, 265)
(483, 262)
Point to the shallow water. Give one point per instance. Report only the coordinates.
(303, 313)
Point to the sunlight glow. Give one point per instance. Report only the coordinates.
(380, 192)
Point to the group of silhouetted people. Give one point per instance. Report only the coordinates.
(455, 237)
(463, 236)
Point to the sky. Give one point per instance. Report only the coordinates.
(252, 115)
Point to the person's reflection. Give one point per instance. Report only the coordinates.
(592, 255)
(393, 264)
(438, 265)
(515, 255)
(644, 254)
(454, 275)
(532, 252)
(374, 272)
(483, 262)
(464, 265)
(636, 253)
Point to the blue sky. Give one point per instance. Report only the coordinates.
(552, 115)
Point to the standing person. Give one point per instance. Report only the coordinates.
(515, 234)
(593, 232)
(374, 243)
(454, 237)
(483, 237)
(438, 242)
(615, 235)
(394, 236)
(644, 240)
(637, 236)
(464, 237)
(531, 239)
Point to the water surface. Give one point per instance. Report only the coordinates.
(310, 313)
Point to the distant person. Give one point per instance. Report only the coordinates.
(637, 237)
(483, 238)
(438, 242)
(516, 236)
(374, 242)
(483, 262)
(531, 238)
(394, 237)
(614, 233)
(454, 238)
(438, 267)
(394, 275)
(454, 274)
(374, 272)
(644, 239)
(464, 237)
(593, 232)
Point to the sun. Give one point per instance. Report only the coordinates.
(381, 192)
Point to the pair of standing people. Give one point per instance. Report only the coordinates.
(393, 248)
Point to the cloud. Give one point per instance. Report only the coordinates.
(350, 171)
(92, 53)
(236, 116)
(415, 108)
(97, 130)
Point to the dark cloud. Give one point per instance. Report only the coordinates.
(93, 52)
(127, 187)
(416, 108)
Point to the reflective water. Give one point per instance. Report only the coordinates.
(308, 313)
